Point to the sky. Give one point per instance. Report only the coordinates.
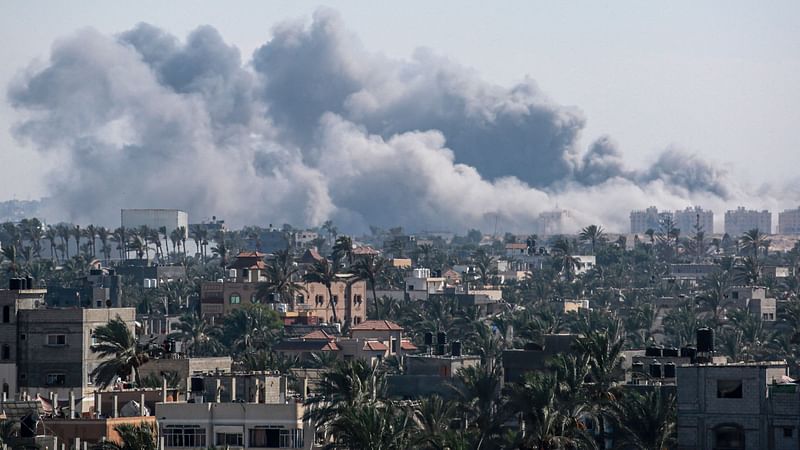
(715, 79)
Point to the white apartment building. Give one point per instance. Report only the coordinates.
(171, 219)
(648, 219)
(789, 221)
(689, 218)
(740, 221)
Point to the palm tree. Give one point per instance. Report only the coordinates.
(370, 268)
(104, 234)
(484, 266)
(122, 353)
(345, 385)
(343, 249)
(325, 272)
(51, 234)
(131, 437)
(281, 273)
(749, 271)
(196, 235)
(715, 289)
(64, 232)
(198, 336)
(10, 253)
(182, 235)
(754, 240)
(432, 417)
(565, 262)
(478, 390)
(251, 327)
(644, 421)
(221, 251)
(375, 426)
(592, 234)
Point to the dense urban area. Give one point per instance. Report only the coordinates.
(167, 334)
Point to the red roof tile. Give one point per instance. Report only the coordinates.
(375, 346)
(317, 335)
(407, 345)
(375, 325)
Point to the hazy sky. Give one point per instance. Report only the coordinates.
(716, 78)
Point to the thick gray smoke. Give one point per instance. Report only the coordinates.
(315, 127)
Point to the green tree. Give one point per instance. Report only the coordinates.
(121, 353)
(592, 234)
(644, 421)
(326, 273)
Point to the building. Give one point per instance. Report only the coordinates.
(47, 349)
(692, 272)
(752, 299)
(171, 219)
(149, 275)
(535, 357)
(100, 289)
(647, 219)
(266, 421)
(689, 219)
(218, 298)
(421, 283)
(552, 222)
(789, 221)
(739, 221)
(737, 406)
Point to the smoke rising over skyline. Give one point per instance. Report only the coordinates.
(313, 126)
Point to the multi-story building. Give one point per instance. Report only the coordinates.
(648, 219)
(789, 221)
(737, 406)
(552, 222)
(690, 218)
(255, 421)
(218, 298)
(752, 299)
(171, 219)
(740, 221)
(46, 349)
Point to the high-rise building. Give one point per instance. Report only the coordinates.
(740, 221)
(690, 218)
(170, 219)
(789, 221)
(648, 219)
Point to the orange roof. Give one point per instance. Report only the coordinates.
(517, 245)
(317, 335)
(310, 256)
(376, 325)
(365, 250)
(251, 255)
(375, 346)
(407, 345)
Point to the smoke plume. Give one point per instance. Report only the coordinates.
(313, 127)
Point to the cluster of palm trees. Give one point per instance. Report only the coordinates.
(577, 403)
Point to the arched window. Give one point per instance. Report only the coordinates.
(235, 299)
(729, 437)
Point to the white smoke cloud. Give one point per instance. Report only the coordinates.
(314, 127)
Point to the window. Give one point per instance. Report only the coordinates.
(764, 316)
(335, 300)
(357, 299)
(56, 379)
(6, 314)
(394, 345)
(235, 299)
(22, 337)
(319, 299)
(57, 339)
(410, 287)
(729, 388)
(6, 352)
(301, 299)
(230, 439)
(788, 432)
(184, 436)
(735, 295)
(276, 438)
(728, 437)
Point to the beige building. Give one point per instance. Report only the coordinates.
(276, 423)
(789, 221)
(688, 219)
(739, 221)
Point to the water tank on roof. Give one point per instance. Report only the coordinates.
(705, 340)
(688, 352)
(653, 351)
(670, 351)
(669, 370)
(14, 284)
(655, 369)
(428, 338)
(638, 367)
(441, 338)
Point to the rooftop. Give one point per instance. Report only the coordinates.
(377, 325)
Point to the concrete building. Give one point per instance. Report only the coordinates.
(171, 219)
(789, 221)
(752, 299)
(647, 219)
(276, 423)
(429, 374)
(552, 222)
(688, 219)
(148, 275)
(749, 406)
(186, 368)
(739, 221)
(421, 283)
(46, 349)
(238, 289)
(516, 362)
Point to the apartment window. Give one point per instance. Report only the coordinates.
(191, 436)
(235, 299)
(729, 437)
(394, 345)
(275, 438)
(788, 432)
(230, 439)
(729, 388)
(735, 295)
(6, 352)
(319, 299)
(56, 379)
(335, 300)
(6, 314)
(22, 336)
(357, 299)
(301, 300)
(57, 339)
